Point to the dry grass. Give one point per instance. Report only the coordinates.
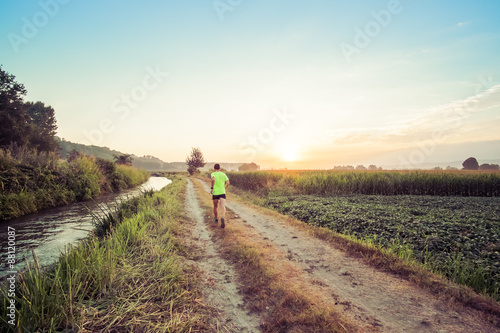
(272, 286)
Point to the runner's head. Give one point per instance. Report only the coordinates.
(217, 167)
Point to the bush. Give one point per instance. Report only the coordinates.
(130, 175)
(83, 177)
(31, 181)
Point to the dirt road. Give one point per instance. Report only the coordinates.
(374, 300)
(220, 287)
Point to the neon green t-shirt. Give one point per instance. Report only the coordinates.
(220, 182)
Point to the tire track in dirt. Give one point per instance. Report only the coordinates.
(220, 288)
(375, 300)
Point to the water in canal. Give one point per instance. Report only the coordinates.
(49, 232)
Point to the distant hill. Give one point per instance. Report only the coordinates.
(147, 162)
(101, 152)
(226, 166)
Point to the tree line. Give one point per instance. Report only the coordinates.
(472, 164)
(24, 124)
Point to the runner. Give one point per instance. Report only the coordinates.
(219, 184)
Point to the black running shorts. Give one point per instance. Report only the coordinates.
(218, 196)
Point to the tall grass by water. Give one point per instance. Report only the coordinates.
(335, 182)
(31, 181)
(129, 279)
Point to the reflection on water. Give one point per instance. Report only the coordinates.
(50, 231)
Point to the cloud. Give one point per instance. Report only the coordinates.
(463, 24)
(463, 120)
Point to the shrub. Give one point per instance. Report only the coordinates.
(83, 177)
(31, 181)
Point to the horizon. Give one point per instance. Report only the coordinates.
(423, 166)
(285, 85)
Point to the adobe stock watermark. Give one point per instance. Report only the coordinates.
(122, 106)
(453, 118)
(224, 6)
(12, 276)
(278, 123)
(32, 26)
(372, 29)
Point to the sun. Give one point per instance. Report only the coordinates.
(289, 154)
(287, 151)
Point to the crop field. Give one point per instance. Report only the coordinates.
(458, 236)
(442, 183)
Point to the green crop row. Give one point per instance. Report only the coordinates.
(337, 182)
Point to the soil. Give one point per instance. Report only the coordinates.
(373, 300)
(219, 285)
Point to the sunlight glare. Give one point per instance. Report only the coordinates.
(287, 151)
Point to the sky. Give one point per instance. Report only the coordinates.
(296, 84)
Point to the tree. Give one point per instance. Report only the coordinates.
(360, 167)
(30, 125)
(124, 159)
(470, 164)
(195, 160)
(13, 116)
(249, 167)
(487, 166)
(43, 126)
(343, 167)
(372, 167)
(192, 170)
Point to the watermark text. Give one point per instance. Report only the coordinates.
(223, 6)
(372, 29)
(280, 120)
(122, 106)
(11, 276)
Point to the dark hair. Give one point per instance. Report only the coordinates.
(217, 166)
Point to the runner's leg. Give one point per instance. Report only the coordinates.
(216, 202)
(223, 207)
